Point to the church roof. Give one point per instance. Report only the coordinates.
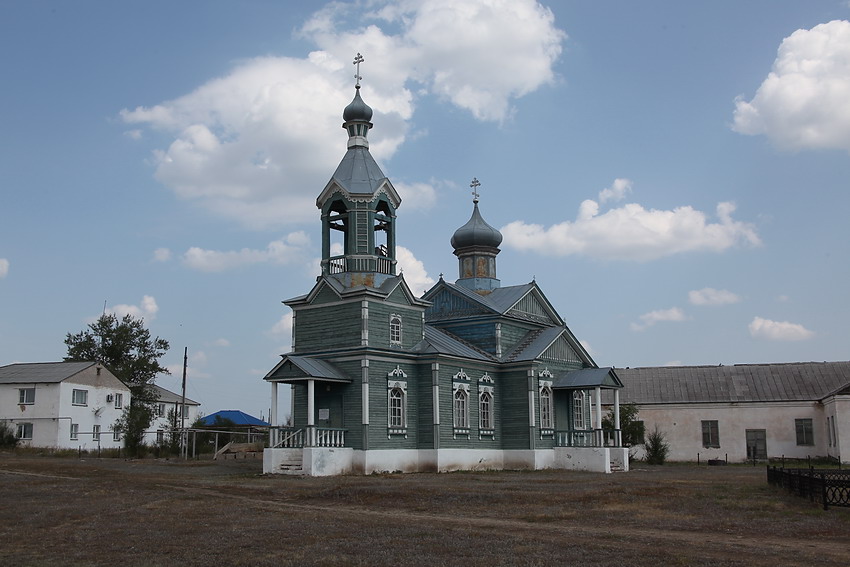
(309, 367)
(386, 285)
(799, 381)
(440, 341)
(476, 232)
(587, 378)
(501, 300)
(357, 174)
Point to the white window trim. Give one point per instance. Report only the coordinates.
(74, 396)
(22, 396)
(75, 431)
(547, 405)
(393, 318)
(460, 420)
(21, 431)
(579, 403)
(119, 400)
(95, 432)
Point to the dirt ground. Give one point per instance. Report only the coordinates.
(67, 511)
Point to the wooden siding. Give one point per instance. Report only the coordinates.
(325, 295)
(448, 439)
(334, 326)
(445, 305)
(513, 395)
(511, 336)
(530, 307)
(379, 325)
(379, 436)
(561, 350)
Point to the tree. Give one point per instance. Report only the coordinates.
(630, 425)
(656, 447)
(126, 348)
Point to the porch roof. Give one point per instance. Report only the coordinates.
(587, 378)
(293, 368)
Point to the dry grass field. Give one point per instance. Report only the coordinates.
(67, 511)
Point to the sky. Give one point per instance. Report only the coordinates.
(673, 175)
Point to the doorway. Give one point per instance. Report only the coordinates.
(756, 444)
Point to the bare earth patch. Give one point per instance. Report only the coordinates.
(66, 511)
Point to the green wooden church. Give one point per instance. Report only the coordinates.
(472, 375)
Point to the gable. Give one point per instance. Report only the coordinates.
(561, 351)
(325, 295)
(531, 307)
(447, 305)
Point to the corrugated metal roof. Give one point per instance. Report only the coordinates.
(534, 344)
(317, 368)
(440, 341)
(588, 378)
(799, 381)
(238, 417)
(40, 372)
(358, 173)
(170, 397)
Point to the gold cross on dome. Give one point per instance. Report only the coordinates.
(475, 184)
(357, 61)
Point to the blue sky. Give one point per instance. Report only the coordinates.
(674, 175)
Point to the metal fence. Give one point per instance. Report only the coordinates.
(828, 487)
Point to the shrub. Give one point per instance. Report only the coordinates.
(656, 447)
(8, 439)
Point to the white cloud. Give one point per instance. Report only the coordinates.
(4, 267)
(803, 102)
(282, 330)
(284, 251)
(248, 144)
(162, 255)
(674, 314)
(146, 310)
(416, 196)
(133, 134)
(415, 275)
(617, 192)
(587, 348)
(778, 330)
(221, 343)
(632, 232)
(711, 296)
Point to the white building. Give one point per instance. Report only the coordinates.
(168, 406)
(745, 411)
(62, 404)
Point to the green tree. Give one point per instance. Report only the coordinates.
(630, 425)
(127, 349)
(656, 447)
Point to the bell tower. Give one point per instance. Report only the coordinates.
(358, 206)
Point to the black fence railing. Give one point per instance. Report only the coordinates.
(828, 487)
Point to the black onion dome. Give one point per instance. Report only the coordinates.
(357, 109)
(476, 232)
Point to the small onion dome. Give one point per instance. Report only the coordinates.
(476, 232)
(357, 109)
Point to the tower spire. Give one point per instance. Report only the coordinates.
(358, 59)
(475, 184)
(476, 245)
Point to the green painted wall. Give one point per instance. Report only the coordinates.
(334, 326)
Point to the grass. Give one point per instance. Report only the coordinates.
(156, 512)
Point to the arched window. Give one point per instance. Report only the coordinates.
(546, 420)
(395, 329)
(461, 407)
(485, 411)
(396, 408)
(578, 410)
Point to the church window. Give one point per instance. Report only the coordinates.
(461, 409)
(485, 411)
(805, 435)
(396, 407)
(395, 329)
(546, 419)
(579, 406)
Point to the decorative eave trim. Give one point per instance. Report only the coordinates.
(333, 187)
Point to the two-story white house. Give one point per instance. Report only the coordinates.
(168, 406)
(62, 404)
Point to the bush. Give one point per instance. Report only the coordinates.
(656, 448)
(8, 439)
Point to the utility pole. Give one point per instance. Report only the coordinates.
(183, 402)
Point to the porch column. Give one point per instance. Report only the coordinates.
(273, 416)
(311, 412)
(618, 434)
(598, 427)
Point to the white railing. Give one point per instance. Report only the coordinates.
(289, 438)
(378, 264)
(589, 438)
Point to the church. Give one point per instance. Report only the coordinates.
(473, 375)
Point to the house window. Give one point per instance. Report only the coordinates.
(95, 433)
(181, 411)
(710, 434)
(80, 398)
(160, 436)
(24, 431)
(75, 431)
(395, 329)
(546, 420)
(119, 401)
(461, 409)
(159, 411)
(805, 435)
(396, 412)
(578, 410)
(26, 396)
(116, 435)
(485, 411)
